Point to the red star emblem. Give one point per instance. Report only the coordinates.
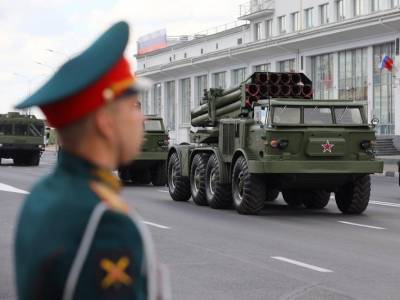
(327, 147)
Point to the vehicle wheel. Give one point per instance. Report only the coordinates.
(272, 194)
(178, 186)
(142, 178)
(248, 190)
(316, 199)
(18, 161)
(123, 174)
(218, 195)
(198, 179)
(353, 197)
(293, 197)
(33, 159)
(158, 175)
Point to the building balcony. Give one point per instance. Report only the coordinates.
(256, 8)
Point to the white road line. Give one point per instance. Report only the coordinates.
(301, 264)
(162, 191)
(385, 203)
(11, 189)
(156, 225)
(362, 225)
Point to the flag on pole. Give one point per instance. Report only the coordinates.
(386, 63)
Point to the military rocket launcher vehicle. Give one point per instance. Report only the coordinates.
(268, 136)
(22, 138)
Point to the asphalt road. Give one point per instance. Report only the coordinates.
(283, 253)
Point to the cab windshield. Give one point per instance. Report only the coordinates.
(318, 115)
(348, 115)
(153, 125)
(287, 115)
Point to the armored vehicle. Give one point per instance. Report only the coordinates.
(150, 165)
(268, 136)
(22, 138)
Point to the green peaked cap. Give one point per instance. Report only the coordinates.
(83, 70)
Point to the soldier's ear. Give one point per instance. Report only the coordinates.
(104, 124)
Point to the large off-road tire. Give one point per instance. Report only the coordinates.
(159, 175)
(178, 185)
(271, 195)
(293, 197)
(248, 190)
(316, 199)
(33, 159)
(219, 195)
(353, 197)
(18, 160)
(198, 179)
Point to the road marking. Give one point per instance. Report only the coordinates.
(301, 264)
(11, 189)
(385, 203)
(156, 225)
(162, 191)
(362, 225)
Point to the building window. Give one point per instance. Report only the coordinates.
(200, 85)
(353, 75)
(383, 90)
(340, 10)
(287, 65)
(268, 28)
(282, 24)
(156, 105)
(169, 111)
(240, 41)
(257, 31)
(185, 101)
(322, 76)
(201, 51)
(219, 80)
(185, 55)
(238, 76)
(323, 12)
(144, 101)
(295, 21)
(216, 46)
(359, 7)
(263, 68)
(309, 17)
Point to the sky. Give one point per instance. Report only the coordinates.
(37, 36)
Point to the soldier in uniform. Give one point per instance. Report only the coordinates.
(76, 238)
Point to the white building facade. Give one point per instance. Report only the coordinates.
(338, 43)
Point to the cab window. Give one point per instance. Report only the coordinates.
(348, 115)
(152, 125)
(286, 115)
(318, 115)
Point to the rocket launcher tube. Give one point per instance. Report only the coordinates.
(286, 90)
(284, 78)
(220, 101)
(307, 91)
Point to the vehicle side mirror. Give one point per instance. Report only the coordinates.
(374, 121)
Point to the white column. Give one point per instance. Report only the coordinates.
(336, 75)
(349, 9)
(396, 96)
(370, 68)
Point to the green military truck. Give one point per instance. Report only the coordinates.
(268, 136)
(22, 138)
(150, 165)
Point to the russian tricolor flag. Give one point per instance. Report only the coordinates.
(386, 63)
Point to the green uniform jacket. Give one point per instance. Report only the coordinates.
(50, 229)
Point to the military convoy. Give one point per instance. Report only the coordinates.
(22, 138)
(268, 136)
(150, 165)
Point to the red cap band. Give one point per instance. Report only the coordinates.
(111, 85)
